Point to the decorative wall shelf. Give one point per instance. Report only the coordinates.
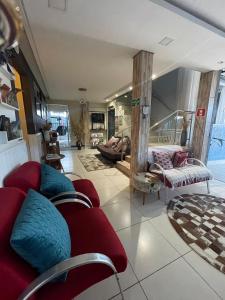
(7, 74)
(8, 106)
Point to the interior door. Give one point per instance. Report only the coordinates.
(111, 123)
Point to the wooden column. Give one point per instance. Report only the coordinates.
(207, 99)
(140, 120)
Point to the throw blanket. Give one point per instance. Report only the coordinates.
(187, 175)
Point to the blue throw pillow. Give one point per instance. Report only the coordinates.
(53, 182)
(40, 234)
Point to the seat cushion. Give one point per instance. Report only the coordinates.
(86, 187)
(53, 182)
(15, 276)
(29, 176)
(25, 177)
(90, 232)
(14, 271)
(40, 234)
(189, 174)
(11, 200)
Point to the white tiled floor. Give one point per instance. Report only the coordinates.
(161, 266)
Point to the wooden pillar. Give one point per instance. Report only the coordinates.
(207, 100)
(140, 120)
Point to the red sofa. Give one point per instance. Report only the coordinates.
(96, 250)
(28, 176)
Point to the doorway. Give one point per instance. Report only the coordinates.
(111, 122)
(58, 115)
(216, 155)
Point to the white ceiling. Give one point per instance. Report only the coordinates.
(92, 44)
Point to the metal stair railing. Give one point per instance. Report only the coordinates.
(169, 129)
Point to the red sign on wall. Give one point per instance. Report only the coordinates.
(200, 112)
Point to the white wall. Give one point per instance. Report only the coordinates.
(24, 45)
(164, 99)
(12, 155)
(9, 113)
(175, 90)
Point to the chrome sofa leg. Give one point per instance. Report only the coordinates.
(119, 285)
(208, 188)
(167, 196)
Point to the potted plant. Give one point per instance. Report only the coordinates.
(78, 133)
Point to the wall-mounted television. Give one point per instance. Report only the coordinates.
(98, 120)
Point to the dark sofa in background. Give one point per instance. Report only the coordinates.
(113, 152)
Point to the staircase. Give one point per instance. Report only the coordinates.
(165, 132)
(169, 129)
(124, 166)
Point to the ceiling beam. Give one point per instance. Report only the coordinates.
(191, 16)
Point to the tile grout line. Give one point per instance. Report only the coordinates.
(207, 283)
(171, 242)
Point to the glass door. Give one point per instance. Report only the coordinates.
(58, 115)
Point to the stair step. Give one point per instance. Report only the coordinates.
(124, 167)
(128, 158)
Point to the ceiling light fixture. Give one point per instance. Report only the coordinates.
(81, 89)
(130, 88)
(116, 95)
(153, 76)
(166, 41)
(18, 8)
(125, 96)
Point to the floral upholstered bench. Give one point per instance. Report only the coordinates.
(175, 169)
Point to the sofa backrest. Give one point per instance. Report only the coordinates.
(25, 177)
(11, 200)
(165, 148)
(15, 273)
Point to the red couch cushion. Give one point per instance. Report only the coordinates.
(90, 232)
(86, 187)
(11, 200)
(15, 273)
(15, 276)
(25, 177)
(28, 176)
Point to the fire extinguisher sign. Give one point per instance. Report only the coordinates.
(200, 112)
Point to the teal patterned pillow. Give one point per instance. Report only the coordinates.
(40, 234)
(53, 182)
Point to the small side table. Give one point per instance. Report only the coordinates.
(147, 183)
(54, 160)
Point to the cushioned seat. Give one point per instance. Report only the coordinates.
(183, 176)
(90, 232)
(28, 176)
(14, 271)
(86, 187)
(110, 153)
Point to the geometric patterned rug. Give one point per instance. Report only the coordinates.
(94, 162)
(200, 221)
